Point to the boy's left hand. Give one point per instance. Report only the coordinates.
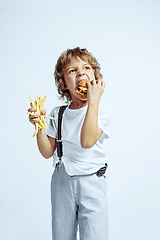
(95, 90)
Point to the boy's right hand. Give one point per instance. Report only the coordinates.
(35, 116)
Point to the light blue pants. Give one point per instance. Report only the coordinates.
(78, 201)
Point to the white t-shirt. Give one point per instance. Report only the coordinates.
(79, 161)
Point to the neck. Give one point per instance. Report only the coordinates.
(78, 104)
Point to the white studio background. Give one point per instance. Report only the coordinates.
(124, 36)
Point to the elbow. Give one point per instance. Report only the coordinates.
(46, 155)
(88, 142)
(86, 145)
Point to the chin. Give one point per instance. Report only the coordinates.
(82, 96)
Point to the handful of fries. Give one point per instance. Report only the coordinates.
(39, 105)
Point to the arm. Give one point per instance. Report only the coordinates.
(90, 132)
(46, 144)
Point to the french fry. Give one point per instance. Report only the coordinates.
(39, 105)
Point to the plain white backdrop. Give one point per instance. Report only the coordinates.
(124, 36)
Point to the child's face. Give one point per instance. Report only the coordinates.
(75, 71)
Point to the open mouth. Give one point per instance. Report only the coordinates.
(82, 88)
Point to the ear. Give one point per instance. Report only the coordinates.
(65, 88)
(63, 84)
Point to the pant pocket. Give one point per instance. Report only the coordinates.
(102, 181)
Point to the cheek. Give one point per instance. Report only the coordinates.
(93, 76)
(70, 83)
(67, 80)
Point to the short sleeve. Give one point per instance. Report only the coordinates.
(104, 120)
(52, 128)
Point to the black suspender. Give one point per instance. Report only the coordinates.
(59, 141)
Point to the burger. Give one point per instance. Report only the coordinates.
(81, 88)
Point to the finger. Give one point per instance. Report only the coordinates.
(32, 110)
(33, 120)
(88, 84)
(43, 112)
(103, 84)
(99, 82)
(34, 104)
(93, 82)
(34, 116)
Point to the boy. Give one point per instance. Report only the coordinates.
(78, 185)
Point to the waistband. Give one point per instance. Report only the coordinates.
(99, 173)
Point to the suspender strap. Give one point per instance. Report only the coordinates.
(59, 141)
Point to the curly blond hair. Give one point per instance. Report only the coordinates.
(63, 60)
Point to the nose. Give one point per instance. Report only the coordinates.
(80, 72)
